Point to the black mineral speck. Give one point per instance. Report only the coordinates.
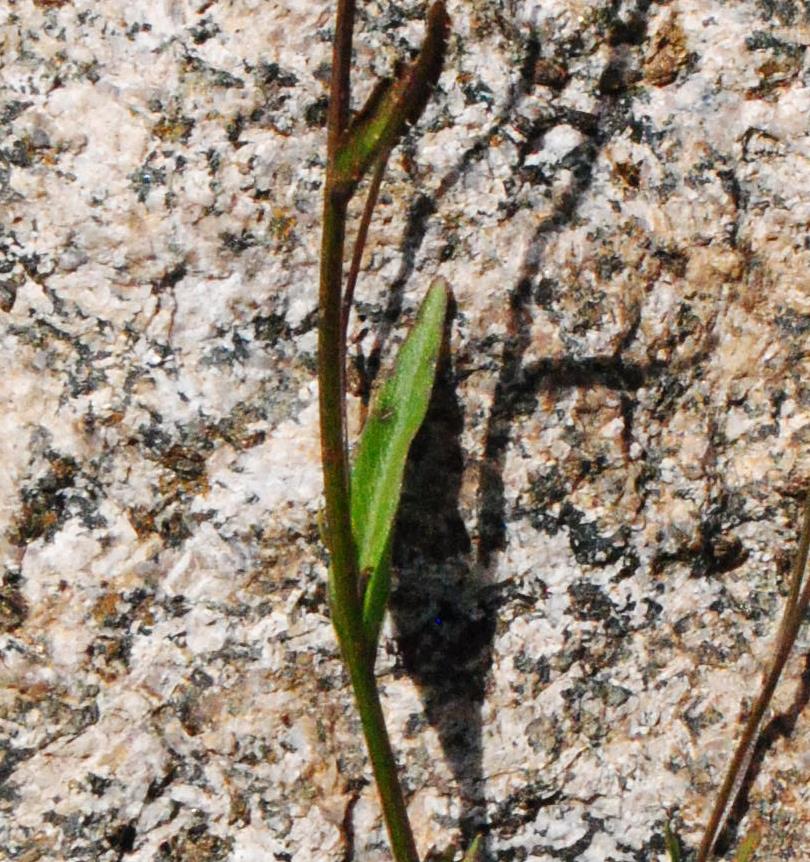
(270, 329)
(174, 530)
(315, 113)
(12, 109)
(204, 30)
(272, 73)
(195, 843)
(784, 12)
(589, 546)
(237, 243)
(45, 503)
(145, 179)
(589, 602)
(123, 838)
(98, 784)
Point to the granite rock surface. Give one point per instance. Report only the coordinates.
(600, 514)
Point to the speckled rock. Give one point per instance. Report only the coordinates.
(599, 515)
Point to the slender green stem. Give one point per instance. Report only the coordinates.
(383, 763)
(344, 589)
(340, 91)
(795, 610)
(331, 397)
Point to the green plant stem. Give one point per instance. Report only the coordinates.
(795, 610)
(344, 588)
(340, 90)
(331, 397)
(345, 600)
(383, 764)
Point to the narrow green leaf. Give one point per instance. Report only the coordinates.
(672, 844)
(396, 415)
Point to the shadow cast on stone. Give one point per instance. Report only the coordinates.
(444, 604)
(444, 613)
(423, 206)
(517, 384)
(781, 726)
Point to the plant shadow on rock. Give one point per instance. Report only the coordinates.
(519, 382)
(442, 612)
(444, 603)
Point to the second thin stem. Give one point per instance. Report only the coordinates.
(795, 610)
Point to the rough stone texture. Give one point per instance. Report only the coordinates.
(600, 513)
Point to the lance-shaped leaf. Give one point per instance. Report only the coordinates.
(396, 415)
(382, 121)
